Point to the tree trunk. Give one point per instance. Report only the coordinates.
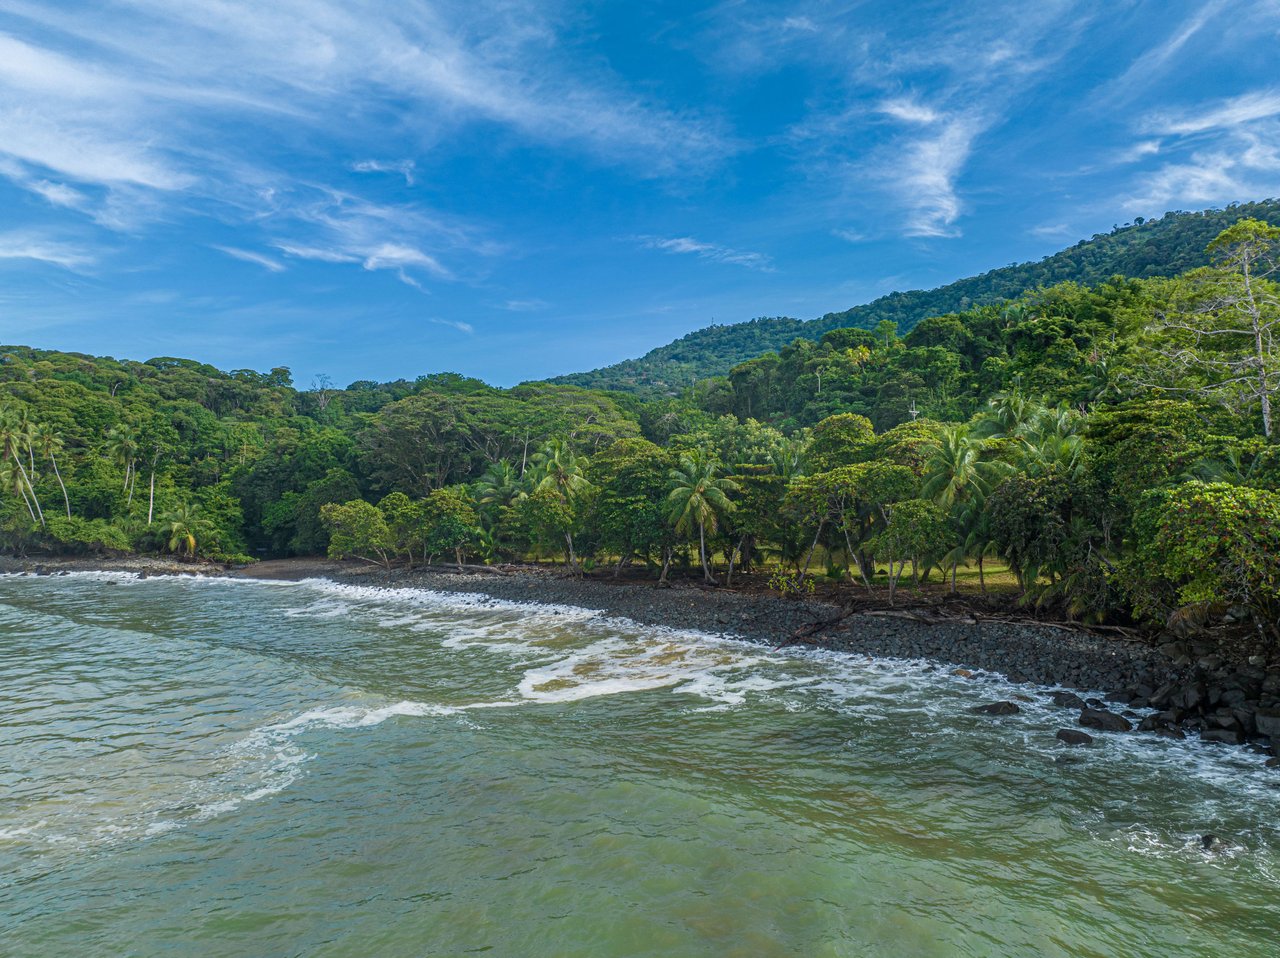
(982, 579)
(66, 500)
(151, 500)
(457, 556)
(702, 553)
(34, 498)
(954, 564)
(812, 548)
(666, 565)
(733, 554)
(573, 559)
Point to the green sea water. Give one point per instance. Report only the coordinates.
(237, 768)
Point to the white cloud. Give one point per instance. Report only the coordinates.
(456, 324)
(19, 245)
(397, 256)
(405, 168)
(1225, 114)
(909, 111)
(524, 305)
(249, 256)
(718, 254)
(1052, 231)
(849, 236)
(924, 176)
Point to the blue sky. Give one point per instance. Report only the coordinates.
(514, 190)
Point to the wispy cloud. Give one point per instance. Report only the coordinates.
(925, 177)
(249, 256)
(524, 305)
(455, 324)
(709, 251)
(19, 245)
(909, 111)
(404, 168)
(1224, 114)
(1151, 65)
(1225, 151)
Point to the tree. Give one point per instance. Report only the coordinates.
(699, 497)
(183, 528)
(451, 521)
(1219, 337)
(558, 471)
(358, 529)
(838, 440)
(913, 534)
(1209, 545)
(50, 444)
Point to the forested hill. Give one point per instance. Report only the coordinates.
(1164, 247)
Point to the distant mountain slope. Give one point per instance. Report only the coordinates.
(1164, 247)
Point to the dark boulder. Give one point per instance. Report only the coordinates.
(1104, 720)
(1267, 722)
(1071, 736)
(997, 708)
(1068, 700)
(1174, 733)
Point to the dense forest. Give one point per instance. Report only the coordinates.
(1168, 246)
(1109, 446)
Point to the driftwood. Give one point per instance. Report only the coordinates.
(810, 630)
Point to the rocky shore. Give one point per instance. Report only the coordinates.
(1163, 685)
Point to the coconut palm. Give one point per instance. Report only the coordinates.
(557, 469)
(122, 446)
(182, 527)
(699, 497)
(15, 444)
(500, 486)
(50, 444)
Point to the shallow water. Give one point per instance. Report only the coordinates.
(235, 768)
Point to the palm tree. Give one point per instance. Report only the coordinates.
(1008, 416)
(699, 496)
(50, 444)
(122, 444)
(11, 480)
(15, 441)
(957, 478)
(555, 468)
(500, 486)
(180, 527)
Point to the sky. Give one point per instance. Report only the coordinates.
(513, 190)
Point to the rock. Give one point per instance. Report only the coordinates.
(1212, 843)
(1121, 698)
(1102, 719)
(1273, 762)
(1267, 722)
(1222, 736)
(963, 673)
(1189, 696)
(1017, 678)
(1024, 698)
(1162, 696)
(1174, 733)
(1257, 660)
(1067, 700)
(1096, 704)
(1071, 736)
(997, 708)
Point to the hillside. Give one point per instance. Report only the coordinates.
(1163, 247)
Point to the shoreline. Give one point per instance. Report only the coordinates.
(1178, 687)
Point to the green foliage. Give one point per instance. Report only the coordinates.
(1209, 544)
(357, 529)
